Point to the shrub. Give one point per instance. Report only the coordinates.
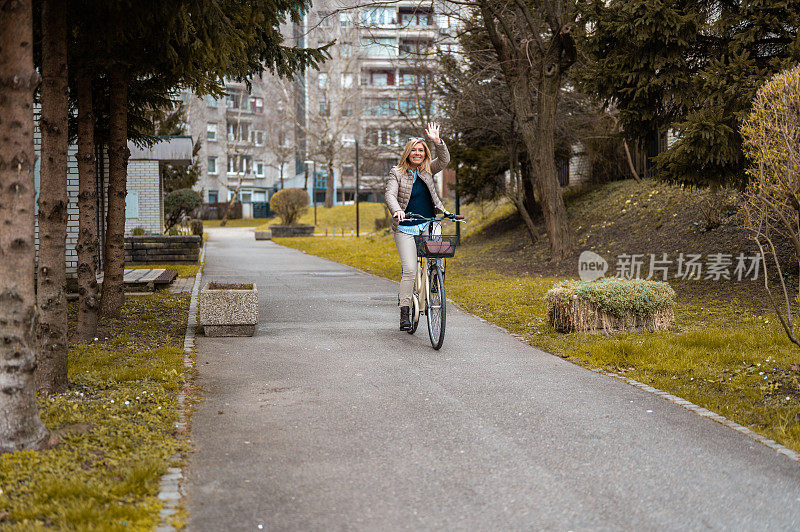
(771, 136)
(180, 203)
(610, 303)
(173, 231)
(138, 231)
(196, 226)
(289, 204)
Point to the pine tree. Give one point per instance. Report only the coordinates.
(51, 371)
(693, 66)
(20, 426)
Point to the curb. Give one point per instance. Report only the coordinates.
(169, 492)
(696, 409)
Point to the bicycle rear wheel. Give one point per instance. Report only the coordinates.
(436, 307)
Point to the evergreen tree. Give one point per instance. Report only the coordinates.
(51, 280)
(690, 65)
(20, 426)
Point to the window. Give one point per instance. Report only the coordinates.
(212, 165)
(232, 164)
(213, 196)
(346, 49)
(380, 107)
(231, 100)
(324, 18)
(211, 131)
(348, 170)
(257, 105)
(348, 138)
(240, 134)
(246, 196)
(377, 16)
(347, 109)
(258, 138)
(244, 102)
(345, 19)
(382, 137)
(245, 164)
(408, 107)
(211, 101)
(259, 168)
(379, 47)
(407, 78)
(347, 80)
(414, 47)
(322, 80)
(416, 18)
(324, 109)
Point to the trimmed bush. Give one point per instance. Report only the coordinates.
(138, 231)
(610, 304)
(180, 203)
(289, 204)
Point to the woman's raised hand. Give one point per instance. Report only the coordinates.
(433, 132)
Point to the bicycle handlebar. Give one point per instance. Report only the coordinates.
(451, 216)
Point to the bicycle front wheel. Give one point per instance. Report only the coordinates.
(436, 307)
(414, 313)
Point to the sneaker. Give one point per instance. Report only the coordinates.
(405, 319)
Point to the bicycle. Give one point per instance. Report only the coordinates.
(431, 248)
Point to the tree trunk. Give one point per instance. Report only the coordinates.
(113, 295)
(88, 302)
(517, 198)
(51, 369)
(538, 132)
(282, 164)
(528, 180)
(328, 185)
(20, 426)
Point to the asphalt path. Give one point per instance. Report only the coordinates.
(330, 418)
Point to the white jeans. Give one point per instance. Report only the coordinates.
(407, 249)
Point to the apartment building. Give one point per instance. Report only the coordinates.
(377, 88)
(234, 154)
(383, 65)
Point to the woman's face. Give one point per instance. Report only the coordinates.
(417, 154)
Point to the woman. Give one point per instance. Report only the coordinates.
(410, 188)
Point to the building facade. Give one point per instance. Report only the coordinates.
(377, 88)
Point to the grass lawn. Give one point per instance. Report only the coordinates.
(116, 423)
(724, 354)
(242, 222)
(341, 217)
(184, 270)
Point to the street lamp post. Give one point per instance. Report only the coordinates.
(357, 232)
(313, 186)
(315, 194)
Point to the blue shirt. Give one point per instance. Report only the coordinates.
(419, 203)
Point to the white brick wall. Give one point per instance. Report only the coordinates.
(144, 181)
(72, 198)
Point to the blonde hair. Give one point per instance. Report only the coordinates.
(405, 166)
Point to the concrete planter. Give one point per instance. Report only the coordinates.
(263, 235)
(229, 309)
(279, 231)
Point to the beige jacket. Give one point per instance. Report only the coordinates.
(398, 187)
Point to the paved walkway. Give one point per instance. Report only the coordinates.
(330, 418)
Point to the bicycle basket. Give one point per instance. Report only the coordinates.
(436, 246)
